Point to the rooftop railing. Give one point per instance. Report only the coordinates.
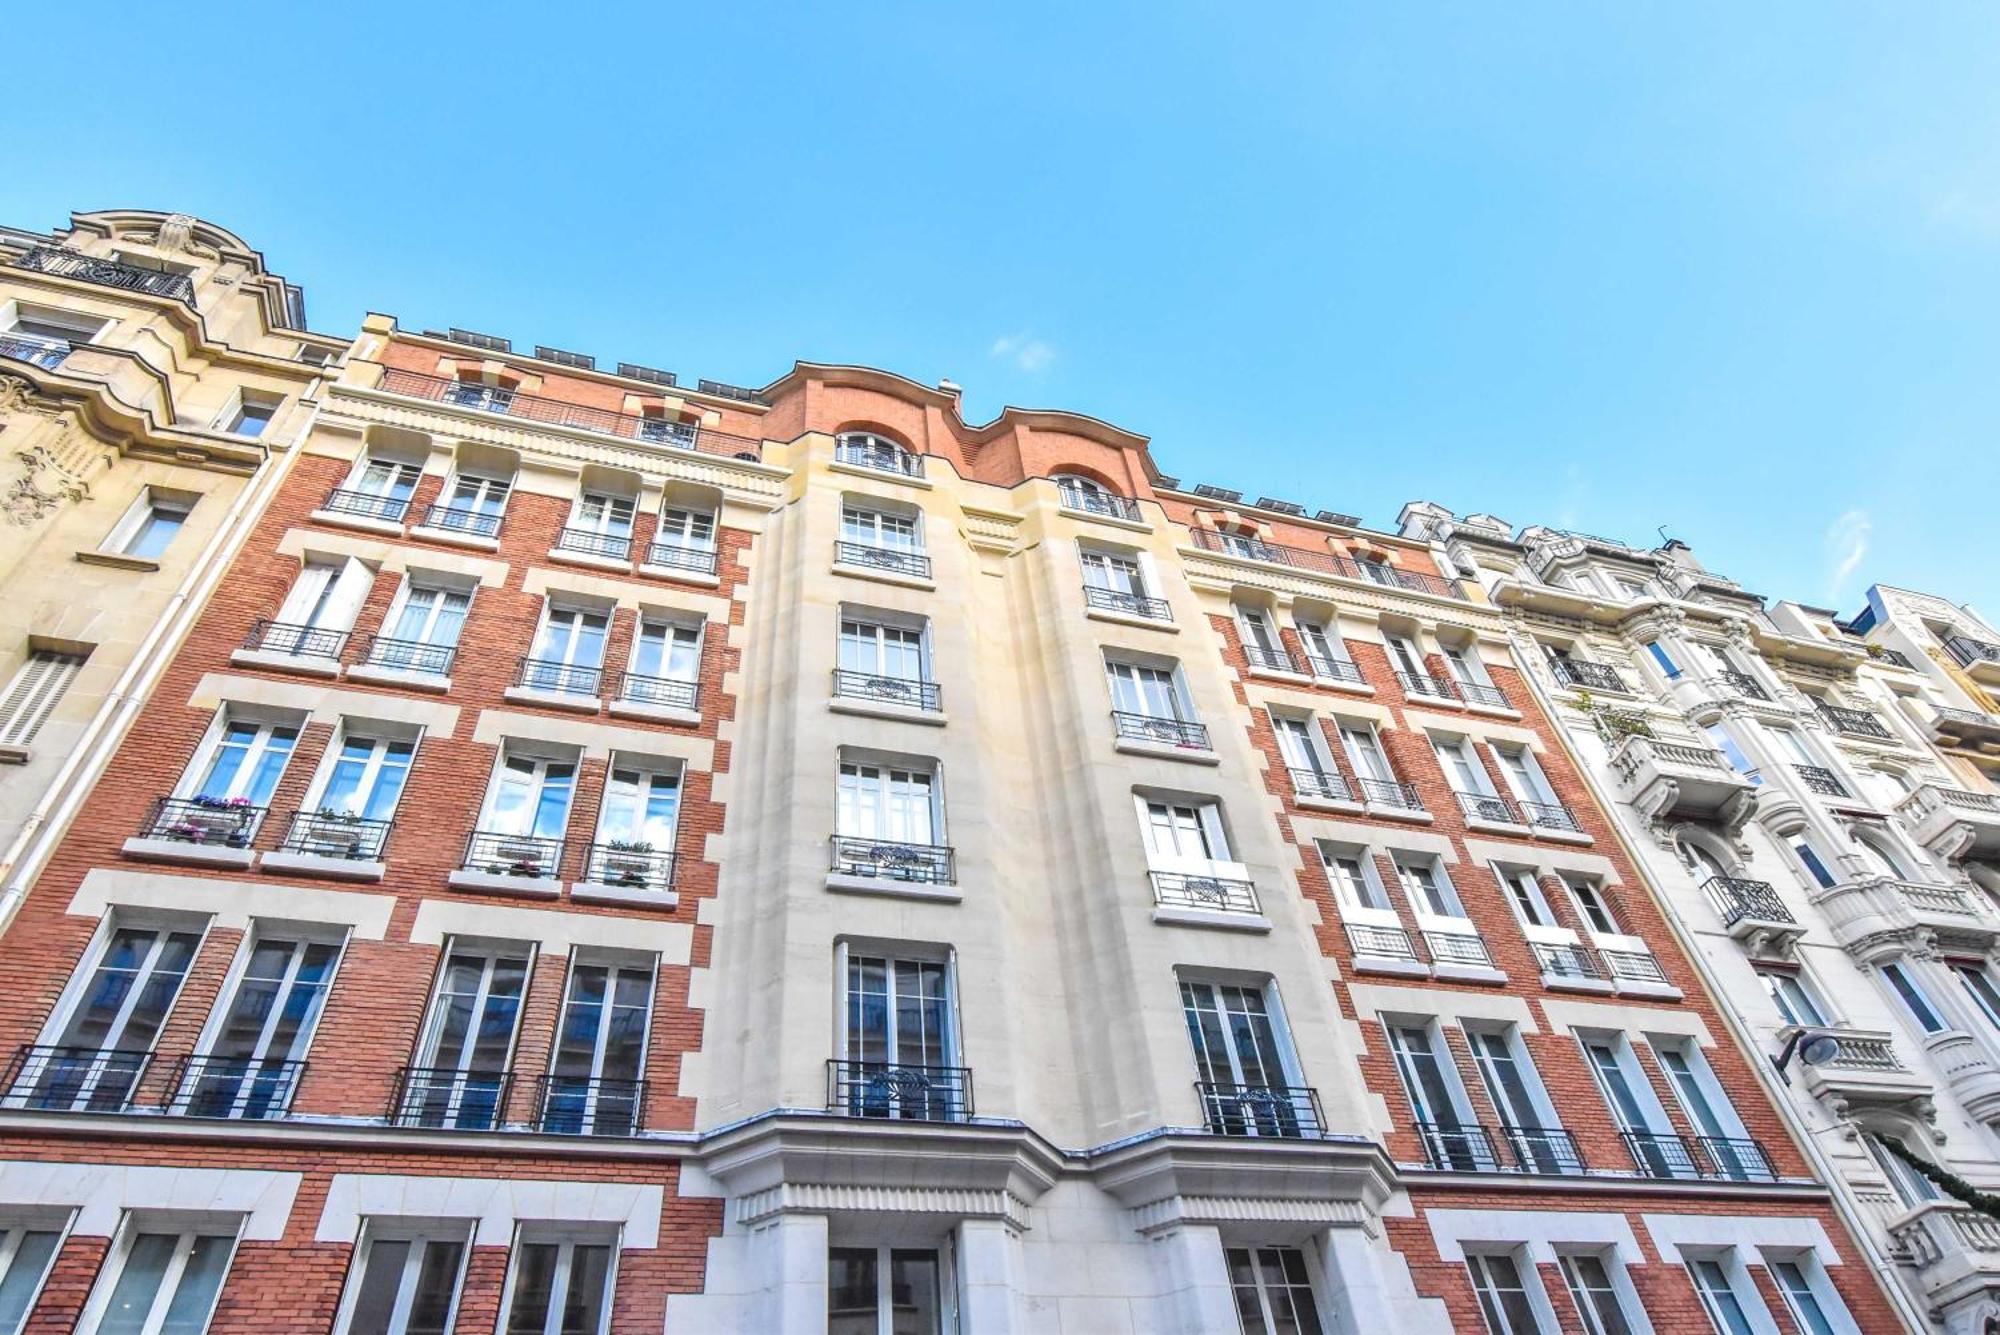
(1326, 563)
(555, 412)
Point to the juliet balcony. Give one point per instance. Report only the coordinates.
(862, 858)
(282, 644)
(899, 1091)
(1680, 780)
(233, 1088)
(901, 693)
(499, 863)
(68, 1078)
(574, 1105)
(1855, 722)
(899, 561)
(210, 831)
(496, 399)
(1663, 1154)
(1286, 1111)
(108, 273)
(546, 681)
(1477, 1148)
(331, 843)
(1120, 603)
(1097, 501)
(1588, 676)
(47, 353)
(680, 556)
(1953, 822)
(1979, 658)
(450, 1098)
(1207, 897)
(376, 506)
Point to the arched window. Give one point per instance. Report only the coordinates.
(866, 449)
(1093, 497)
(1881, 858)
(1912, 1188)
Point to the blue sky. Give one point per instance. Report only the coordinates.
(1732, 270)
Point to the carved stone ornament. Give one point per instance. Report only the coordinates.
(18, 396)
(176, 232)
(43, 483)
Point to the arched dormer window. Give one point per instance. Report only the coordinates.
(867, 449)
(471, 391)
(1087, 494)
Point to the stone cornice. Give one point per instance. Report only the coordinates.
(1219, 572)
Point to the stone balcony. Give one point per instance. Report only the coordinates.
(1980, 658)
(1876, 917)
(1969, 1071)
(1953, 822)
(1867, 1072)
(1680, 780)
(1972, 728)
(1955, 1250)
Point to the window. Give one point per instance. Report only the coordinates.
(244, 759)
(569, 651)
(159, 1283)
(1590, 1286)
(1466, 668)
(1371, 763)
(883, 1291)
(367, 779)
(558, 1286)
(1912, 1188)
(1588, 897)
(1795, 999)
(1897, 975)
(1979, 985)
(865, 449)
(252, 415)
(871, 648)
(1633, 1105)
(1352, 872)
(101, 1045)
(668, 651)
(1525, 777)
(881, 528)
(688, 530)
(1273, 1290)
(1668, 667)
(1795, 748)
(257, 1053)
(898, 1018)
(1427, 885)
(476, 504)
(37, 687)
(1408, 661)
(1524, 891)
(1090, 495)
(1181, 831)
(641, 805)
(1244, 543)
(529, 797)
(594, 1085)
(468, 1046)
(1151, 692)
(1326, 652)
(1443, 1120)
(1809, 1308)
(25, 1254)
(1466, 775)
(53, 326)
(1733, 752)
(1815, 865)
(320, 609)
(1708, 1108)
(1313, 772)
(1718, 1295)
(1115, 574)
(1514, 1086)
(423, 629)
(478, 394)
(604, 514)
(385, 483)
(1260, 638)
(150, 525)
(893, 802)
(1503, 1294)
(405, 1283)
(1239, 1046)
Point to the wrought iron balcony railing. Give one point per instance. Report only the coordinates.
(1736, 899)
(1153, 728)
(1482, 693)
(521, 855)
(1288, 1111)
(330, 834)
(1589, 676)
(449, 1098)
(891, 860)
(63, 1078)
(366, 505)
(630, 864)
(1383, 942)
(1968, 650)
(911, 692)
(459, 519)
(1390, 793)
(241, 1088)
(1461, 1149)
(546, 674)
(1098, 502)
(1424, 683)
(409, 655)
(573, 1105)
(1566, 961)
(217, 822)
(1324, 563)
(1634, 966)
(1666, 1155)
(108, 273)
(1821, 780)
(1551, 816)
(894, 1090)
(1334, 669)
(281, 637)
(1193, 890)
(47, 353)
(1458, 948)
(1319, 783)
(1131, 604)
(589, 542)
(879, 457)
(1488, 807)
(678, 556)
(1542, 1149)
(1475, 1148)
(666, 692)
(1744, 684)
(896, 560)
(1272, 658)
(1855, 722)
(534, 408)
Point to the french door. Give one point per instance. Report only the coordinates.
(103, 1045)
(1246, 1088)
(462, 1077)
(594, 1085)
(1448, 1140)
(252, 1067)
(899, 1041)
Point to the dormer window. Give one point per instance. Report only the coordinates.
(1093, 497)
(663, 430)
(865, 449)
(478, 394)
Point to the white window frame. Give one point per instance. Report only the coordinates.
(1651, 1113)
(416, 581)
(1818, 1285)
(1775, 982)
(868, 523)
(1301, 730)
(574, 613)
(882, 799)
(75, 328)
(382, 737)
(1736, 1282)
(1478, 1268)
(1207, 820)
(1898, 968)
(649, 769)
(1438, 1049)
(613, 961)
(1132, 566)
(55, 1221)
(541, 758)
(1363, 742)
(1467, 665)
(419, 1234)
(485, 488)
(672, 627)
(394, 473)
(872, 628)
(615, 515)
(1524, 882)
(1618, 1285)
(1458, 757)
(1266, 1312)
(302, 937)
(249, 406)
(1378, 900)
(1540, 1106)
(565, 1238)
(1530, 776)
(1707, 1107)
(1404, 860)
(1175, 687)
(151, 501)
(1583, 891)
(681, 526)
(186, 1230)
(227, 717)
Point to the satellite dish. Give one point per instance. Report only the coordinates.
(1819, 1049)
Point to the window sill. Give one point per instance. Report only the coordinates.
(1326, 804)
(306, 665)
(1393, 966)
(879, 475)
(1400, 813)
(680, 576)
(880, 576)
(456, 538)
(1430, 701)
(118, 561)
(1166, 751)
(1564, 983)
(1577, 837)
(597, 892)
(1468, 973)
(15, 755)
(314, 864)
(570, 700)
(1211, 918)
(1493, 711)
(360, 522)
(843, 883)
(1342, 684)
(386, 676)
(680, 718)
(1109, 521)
(1497, 826)
(585, 559)
(1635, 987)
(1278, 674)
(500, 883)
(842, 704)
(197, 855)
(1131, 619)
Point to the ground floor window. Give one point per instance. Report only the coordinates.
(883, 1291)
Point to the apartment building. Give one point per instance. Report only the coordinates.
(1807, 795)
(611, 855)
(151, 367)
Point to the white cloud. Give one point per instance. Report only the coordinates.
(1846, 548)
(1030, 354)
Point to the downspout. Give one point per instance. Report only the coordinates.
(1850, 1206)
(30, 850)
